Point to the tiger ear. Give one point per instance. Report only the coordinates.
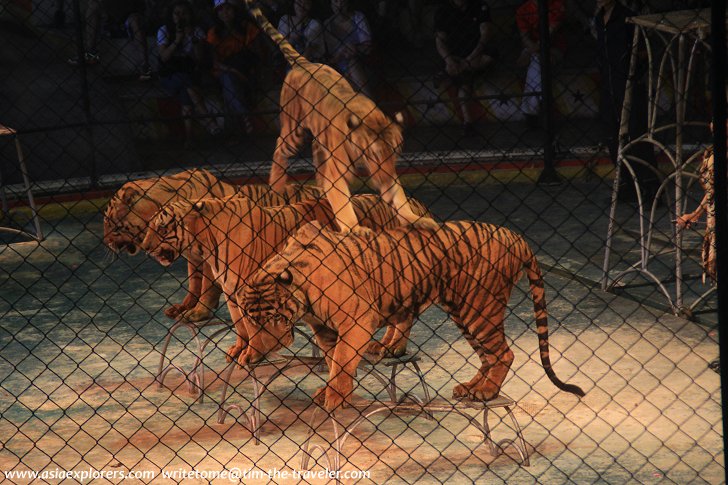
(128, 195)
(285, 277)
(353, 122)
(399, 118)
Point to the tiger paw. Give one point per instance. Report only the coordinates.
(319, 397)
(197, 314)
(334, 400)
(427, 223)
(376, 349)
(233, 352)
(480, 392)
(249, 357)
(175, 310)
(380, 351)
(362, 231)
(460, 392)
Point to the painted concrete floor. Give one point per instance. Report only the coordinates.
(81, 333)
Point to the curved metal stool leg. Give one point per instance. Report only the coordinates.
(497, 448)
(197, 374)
(306, 446)
(161, 370)
(222, 410)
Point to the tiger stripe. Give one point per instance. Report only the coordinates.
(469, 268)
(235, 236)
(346, 126)
(129, 210)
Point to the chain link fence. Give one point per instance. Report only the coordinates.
(166, 316)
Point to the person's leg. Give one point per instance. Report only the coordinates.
(234, 96)
(465, 96)
(198, 101)
(59, 16)
(415, 15)
(530, 103)
(357, 75)
(93, 25)
(135, 27)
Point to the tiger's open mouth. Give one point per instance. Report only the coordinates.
(129, 247)
(165, 256)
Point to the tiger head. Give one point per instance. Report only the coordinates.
(276, 298)
(166, 237)
(125, 219)
(376, 135)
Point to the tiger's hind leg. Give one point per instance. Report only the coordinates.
(485, 334)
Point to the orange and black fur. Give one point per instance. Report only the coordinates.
(234, 237)
(346, 126)
(346, 286)
(131, 208)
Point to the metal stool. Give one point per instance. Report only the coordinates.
(195, 377)
(38, 236)
(253, 418)
(367, 409)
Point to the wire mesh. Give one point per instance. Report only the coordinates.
(541, 307)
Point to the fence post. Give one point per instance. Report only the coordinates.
(718, 43)
(548, 175)
(85, 97)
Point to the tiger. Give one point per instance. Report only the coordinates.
(235, 236)
(129, 210)
(706, 177)
(349, 284)
(346, 127)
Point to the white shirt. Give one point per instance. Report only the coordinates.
(311, 34)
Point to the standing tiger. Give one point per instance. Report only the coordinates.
(351, 283)
(131, 208)
(235, 236)
(346, 126)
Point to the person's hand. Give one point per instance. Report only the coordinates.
(686, 220)
(453, 65)
(179, 35)
(524, 59)
(348, 51)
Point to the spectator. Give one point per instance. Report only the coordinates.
(392, 15)
(180, 53)
(130, 14)
(527, 20)
(462, 31)
(303, 32)
(707, 206)
(237, 51)
(614, 46)
(348, 41)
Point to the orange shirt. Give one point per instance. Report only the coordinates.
(227, 46)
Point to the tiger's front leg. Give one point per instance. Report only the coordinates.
(394, 342)
(350, 347)
(209, 297)
(332, 179)
(236, 352)
(194, 276)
